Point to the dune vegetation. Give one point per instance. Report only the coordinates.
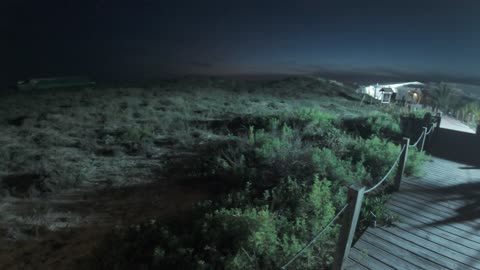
(189, 174)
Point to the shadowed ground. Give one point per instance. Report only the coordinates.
(439, 225)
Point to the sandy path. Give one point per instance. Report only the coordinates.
(454, 124)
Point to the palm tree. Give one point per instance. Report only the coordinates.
(443, 96)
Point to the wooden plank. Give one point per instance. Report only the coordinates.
(430, 235)
(453, 203)
(353, 265)
(385, 257)
(429, 185)
(435, 201)
(399, 251)
(452, 197)
(426, 211)
(436, 218)
(418, 249)
(454, 217)
(430, 245)
(442, 180)
(446, 175)
(427, 221)
(449, 211)
(437, 230)
(362, 258)
(438, 203)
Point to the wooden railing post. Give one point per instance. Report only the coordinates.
(439, 119)
(401, 164)
(423, 139)
(349, 225)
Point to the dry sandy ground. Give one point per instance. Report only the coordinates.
(68, 175)
(77, 220)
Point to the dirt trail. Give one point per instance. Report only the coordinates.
(60, 230)
(454, 124)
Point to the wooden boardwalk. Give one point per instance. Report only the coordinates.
(439, 225)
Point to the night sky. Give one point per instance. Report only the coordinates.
(114, 40)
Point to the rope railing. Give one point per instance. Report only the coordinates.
(388, 173)
(314, 238)
(419, 139)
(430, 131)
(341, 211)
(354, 205)
(422, 137)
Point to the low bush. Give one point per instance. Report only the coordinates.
(315, 126)
(264, 234)
(375, 212)
(327, 164)
(312, 116)
(417, 114)
(133, 138)
(376, 155)
(277, 144)
(378, 124)
(295, 172)
(383, 124)
(256, 235)
(278, 153)
(415, 161)
(232, 159)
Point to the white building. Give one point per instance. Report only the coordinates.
(408, 91)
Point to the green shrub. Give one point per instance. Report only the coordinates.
(375, 211)
(321, 203)
(134, 137)
(233, 159)
(277, 144)
(383, 124)
(255, 234)
(376, 155)
(287, 198)
(265, 238)
(327, 164)
(281, 152)
(415, 161)
(417, 114)
(244, 230)
(315, 125)
(277, 154)
(378, 124)
(314, 116)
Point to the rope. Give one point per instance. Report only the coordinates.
(419, 139)
(421, 135)
(431, 129)
(314, 238)
(367, 191)
(388, 173)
